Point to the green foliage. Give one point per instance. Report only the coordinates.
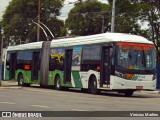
(17, 19)
(150, 11)
(86, 18)
(0, 33)
(127, 15)
(130, 12)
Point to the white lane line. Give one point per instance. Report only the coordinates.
(8, 103)
(79, 110)
(40, 106)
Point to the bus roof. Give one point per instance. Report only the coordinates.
(34, 45)
(99, 38)
(82, 40)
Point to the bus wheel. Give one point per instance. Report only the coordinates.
(92, 87)
(26, 84)
(128, 93)
(42, 86)
(20, 80)
(84, 90)
(57, 83)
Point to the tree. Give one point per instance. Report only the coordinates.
(150, 12)
(126, 17)
(17, 19)
(89, 17)
(130, 12)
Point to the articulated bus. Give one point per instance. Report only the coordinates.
(110, 61)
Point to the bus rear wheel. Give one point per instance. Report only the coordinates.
(26, 84)
(20, 80)
(92, 86)
(128, 93)
(57, 83)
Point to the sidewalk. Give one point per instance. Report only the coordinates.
(9, 84)
(157, 91)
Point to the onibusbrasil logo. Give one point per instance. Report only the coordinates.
(21, 114)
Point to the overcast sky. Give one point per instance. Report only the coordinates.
(3, 5)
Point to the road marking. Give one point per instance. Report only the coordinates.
(79, 110)
(42, 90)
(40, 106)
(8, 103)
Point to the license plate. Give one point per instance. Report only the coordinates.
(139, 87)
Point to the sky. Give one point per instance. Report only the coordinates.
(3, 5)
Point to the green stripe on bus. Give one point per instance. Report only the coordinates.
(76, 79)
(26, 76)
(134, 77)
(7, 75)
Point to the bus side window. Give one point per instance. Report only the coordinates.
(91, 56)
(85, 58)
(56, 58)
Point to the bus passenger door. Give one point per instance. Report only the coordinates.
(105, 66)
(35, 65)
(12, 65)
(68, 64)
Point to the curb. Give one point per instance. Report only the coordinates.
(10, 87)
(150, 92)
(156, 92)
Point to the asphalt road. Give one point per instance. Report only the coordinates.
(41, 99)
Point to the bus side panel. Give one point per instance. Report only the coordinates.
(6, 74)
(76, 80)
(51, 76)
(26, 75)
(80, 79)
(117, 83)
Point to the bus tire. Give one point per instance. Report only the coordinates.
(26, 84)
(20, 80)
(84, 90)
(42, 86)
(92, 86)
(128, 93)
(57, 85)
(64, 88)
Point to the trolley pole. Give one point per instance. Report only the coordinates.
(38, 28)
(113, 16)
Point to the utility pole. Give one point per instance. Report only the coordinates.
(38, 28)
(1, 57)
(113, 16)
(102, 23)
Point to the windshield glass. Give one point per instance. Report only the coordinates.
(136, 56)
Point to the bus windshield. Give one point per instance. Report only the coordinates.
(136, 56)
